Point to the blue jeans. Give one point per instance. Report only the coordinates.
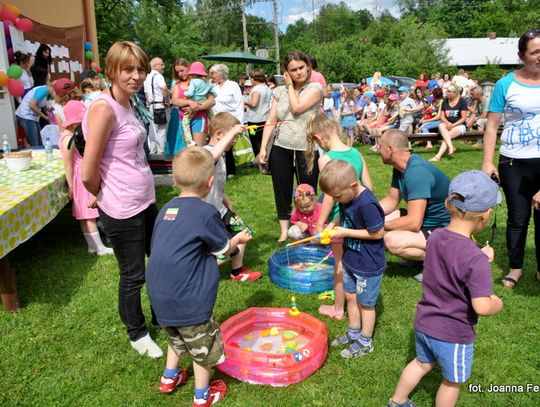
(130, 239)
(32, 130)
(430, 127)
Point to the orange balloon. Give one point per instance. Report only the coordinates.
(12, 9)
(3, 79)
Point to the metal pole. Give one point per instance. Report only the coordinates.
(276, 35)
(244, 31)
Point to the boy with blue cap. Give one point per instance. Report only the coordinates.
(457, 288)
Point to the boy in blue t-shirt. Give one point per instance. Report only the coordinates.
(457, 288)
(362, 228)
(182, 275)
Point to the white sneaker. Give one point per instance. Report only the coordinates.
(146, 345)
(105, 251)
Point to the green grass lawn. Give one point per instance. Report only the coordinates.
(67, 347)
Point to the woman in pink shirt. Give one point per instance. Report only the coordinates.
(115, 170)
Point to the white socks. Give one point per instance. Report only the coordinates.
(146, 345)
(95, 245)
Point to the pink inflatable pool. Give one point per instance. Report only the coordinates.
(269, 346)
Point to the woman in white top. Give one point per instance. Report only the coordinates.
(517, 98)
(258, 107)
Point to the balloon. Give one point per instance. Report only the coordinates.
(88, 46)
(3, 79)
(7, 16)
(97, 69)
(6, 28)
(12, 9)
(24, 24)
(15, 87)
(89, 55)
(14, 71)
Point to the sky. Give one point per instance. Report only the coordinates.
(290, 11)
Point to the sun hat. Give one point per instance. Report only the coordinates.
(197, 68)
(63, 86)
(248, 83)
(73, 112)
(393, 97)
(403, 89)
(479, 192)
(303, 190)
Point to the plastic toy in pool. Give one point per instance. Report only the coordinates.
(268, 346)
(304, 269)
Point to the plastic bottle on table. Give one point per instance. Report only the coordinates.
(5, 145)
(48, 150)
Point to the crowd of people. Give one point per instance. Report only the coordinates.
(312, 127)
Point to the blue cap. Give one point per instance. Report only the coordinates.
(403, 89)
(479, 192)
(369, 95)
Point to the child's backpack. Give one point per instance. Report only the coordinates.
(78, 140)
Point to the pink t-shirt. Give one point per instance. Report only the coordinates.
(318, 77)
(309, 219)
(127, 183)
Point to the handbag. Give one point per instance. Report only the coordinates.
(160, 114)
(265, 168)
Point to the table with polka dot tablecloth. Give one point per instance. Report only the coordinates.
(30, 199)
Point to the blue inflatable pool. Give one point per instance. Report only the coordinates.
(299, 268)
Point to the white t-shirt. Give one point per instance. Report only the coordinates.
(229, 99)
(520, 105)
(156, 81)
(217, 192)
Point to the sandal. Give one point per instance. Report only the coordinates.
(342, 340)
(510, 282)
(434, 159)
(356, 350)
(330, 311)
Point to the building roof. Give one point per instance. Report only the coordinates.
(481, 51)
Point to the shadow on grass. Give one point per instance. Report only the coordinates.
(52, 265)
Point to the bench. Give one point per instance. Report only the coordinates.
(468, 135)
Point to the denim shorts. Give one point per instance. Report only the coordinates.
(366, 288)
(199, 125)
(455, 359)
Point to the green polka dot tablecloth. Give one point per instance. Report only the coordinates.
(30, 199)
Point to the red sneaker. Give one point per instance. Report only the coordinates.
(167, 385)
(246, 275)
(218, 389)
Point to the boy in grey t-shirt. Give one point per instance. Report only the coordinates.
(224, 128)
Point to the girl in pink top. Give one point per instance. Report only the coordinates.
(116, 172)
(305, 214)
(81, 198)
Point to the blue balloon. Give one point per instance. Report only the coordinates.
(88, 46)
